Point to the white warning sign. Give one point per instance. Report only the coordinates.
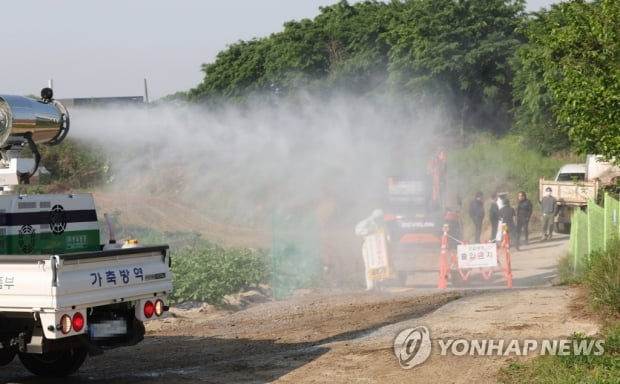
(477, 255)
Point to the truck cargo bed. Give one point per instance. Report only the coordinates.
(52, 282)
(570, 192)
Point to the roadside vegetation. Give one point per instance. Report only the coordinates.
(601, 281)
(203, 271)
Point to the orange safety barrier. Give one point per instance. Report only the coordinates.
(443, 264)
(445, 271)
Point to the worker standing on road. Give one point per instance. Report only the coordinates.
(507, 216)
(476, 212)
(549, 206)
(524, 212)
(370, 225)
(494, 216)
(436, 168)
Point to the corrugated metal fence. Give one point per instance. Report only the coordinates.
(592, 230)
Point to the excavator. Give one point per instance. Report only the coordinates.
(415, 216)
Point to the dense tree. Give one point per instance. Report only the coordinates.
(577, 47)
(457, 53)
(533, 116)
(356, 45)
(236, 72)
(341, 47)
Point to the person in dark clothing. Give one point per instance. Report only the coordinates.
(494, 216)
(507, 216)
(549, 207)
(524, 212)
(476, 212)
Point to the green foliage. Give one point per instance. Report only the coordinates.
(495, 165)
(175, 97)
(576, 49)
(533, 114)
(602, 279)
(570, 368)
(236, 72)
(342, 47)
(74, 164)
(550, 76)
(210, 273)
(455, 54)
(202, 270)
(458, 53)
(567, 274)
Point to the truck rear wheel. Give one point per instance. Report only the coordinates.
(6, 356)
(55, 363)
(562, 228)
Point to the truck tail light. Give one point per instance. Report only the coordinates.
(159, 307)
(78, 322)
(149, 309)
(65, 324)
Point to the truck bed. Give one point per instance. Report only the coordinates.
(570, 192)
(79, 280)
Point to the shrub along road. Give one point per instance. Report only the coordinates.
(329, 336)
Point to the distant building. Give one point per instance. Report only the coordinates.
(103, 101)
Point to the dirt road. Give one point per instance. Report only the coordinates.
(346, 336)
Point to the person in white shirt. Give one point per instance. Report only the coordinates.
(369, 226)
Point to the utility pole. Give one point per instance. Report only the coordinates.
(146, 92)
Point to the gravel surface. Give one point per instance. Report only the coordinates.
(347, 336)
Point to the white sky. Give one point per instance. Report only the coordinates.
(107, 48)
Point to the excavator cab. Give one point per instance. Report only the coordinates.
(415, 216)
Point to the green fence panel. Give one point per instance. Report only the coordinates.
(612, 210)
(578, 243)
(596, 231)
(592, 231)
(296, 255)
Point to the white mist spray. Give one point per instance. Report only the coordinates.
(240, 166)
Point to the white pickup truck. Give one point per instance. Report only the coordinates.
(571, 195)
(576, 184)
(63, 294)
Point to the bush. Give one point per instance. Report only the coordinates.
(203, 271)
(208, 274)
(74, 164)
(602, 279)
(567, 273)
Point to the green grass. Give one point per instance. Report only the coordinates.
(567, 275)
(571, 368)
(601, 279)
(492, 165)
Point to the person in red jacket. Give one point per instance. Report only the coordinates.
(436, 168)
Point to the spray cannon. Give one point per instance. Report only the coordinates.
(25, 121)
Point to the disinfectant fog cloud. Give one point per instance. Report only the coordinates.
(244, 164)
